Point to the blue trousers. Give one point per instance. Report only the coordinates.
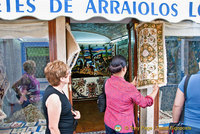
(112, 131)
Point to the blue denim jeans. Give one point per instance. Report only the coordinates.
(112, 131)
(192, 131)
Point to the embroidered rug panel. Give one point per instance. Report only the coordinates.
(151, 55)
(87, 88)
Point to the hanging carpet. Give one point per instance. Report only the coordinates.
(151, 52)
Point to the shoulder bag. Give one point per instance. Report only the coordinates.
(177, 128)
(101, 101)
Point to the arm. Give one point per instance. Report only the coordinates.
(178, 105)
(144, 101)
(76, 114)
(141, 100)
(15, 86)
(22, 83)
(53, 105)
(155, 91)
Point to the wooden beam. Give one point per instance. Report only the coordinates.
(135, 52)
(135, 74)
(156, 111)
(70, 79)
(129, 53)
(67, 20)
(52, 40)
(70, 90)
(29, 17)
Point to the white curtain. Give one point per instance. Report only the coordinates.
(23, 28)
(185, 28)
(73, 48)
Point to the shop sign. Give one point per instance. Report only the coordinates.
(113, 10)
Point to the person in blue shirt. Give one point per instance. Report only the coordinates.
(192, 104)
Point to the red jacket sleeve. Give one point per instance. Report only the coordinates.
(141, 100)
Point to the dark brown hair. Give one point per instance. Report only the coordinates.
(118, 62)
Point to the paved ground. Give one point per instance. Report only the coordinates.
(98, 132)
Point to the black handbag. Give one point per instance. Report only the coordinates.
(75, 121)
(178, 128)
(101, 101)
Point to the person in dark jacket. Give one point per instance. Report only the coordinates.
(57, 108)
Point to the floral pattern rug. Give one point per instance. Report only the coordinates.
(87, 88)
(151, 55)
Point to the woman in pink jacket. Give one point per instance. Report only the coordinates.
(120, 99)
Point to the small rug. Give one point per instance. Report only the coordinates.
(151, 55)
(87, 88)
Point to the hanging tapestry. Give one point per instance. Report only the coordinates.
(84, 88)
(93, 61)
(151, 55)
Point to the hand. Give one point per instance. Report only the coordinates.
(156, 88)
(76, 114)
(134, 82)
(22, 99)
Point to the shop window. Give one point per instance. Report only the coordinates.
(13, 54)
(38, 52)
(193, 56)
(22, 41)
(182, 59)
(173, 51)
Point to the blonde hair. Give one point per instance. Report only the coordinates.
(54, 71)
(29, 66)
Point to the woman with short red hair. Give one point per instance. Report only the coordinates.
(57, 108)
